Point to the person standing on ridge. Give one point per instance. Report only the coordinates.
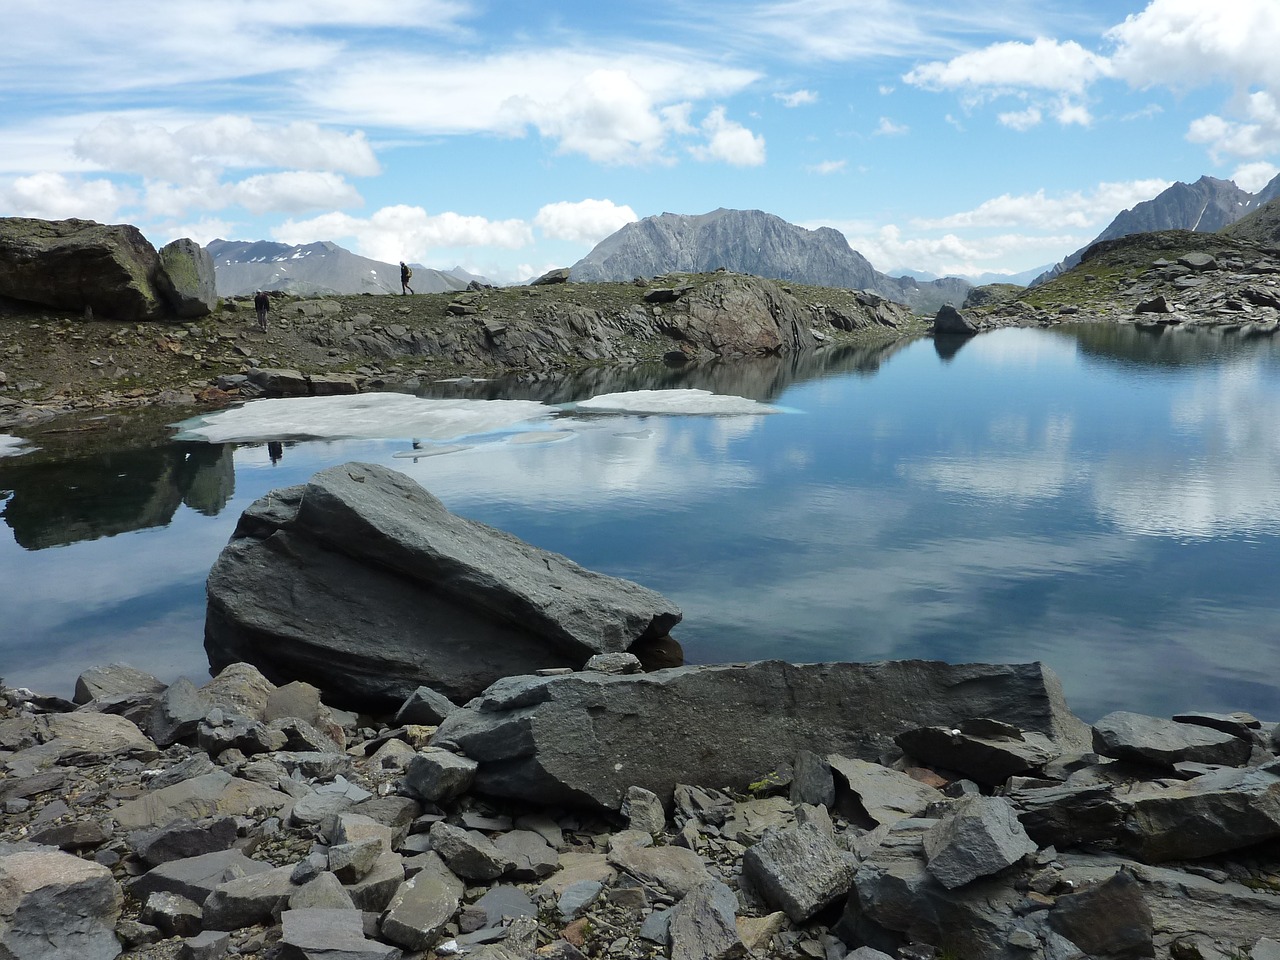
(405, 273)
(260, 303)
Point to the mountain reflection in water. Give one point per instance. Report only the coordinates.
(1102, 498)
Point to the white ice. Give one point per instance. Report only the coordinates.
(363, 416)
(673, 402)
(14, 446)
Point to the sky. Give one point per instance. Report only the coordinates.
(941, 136)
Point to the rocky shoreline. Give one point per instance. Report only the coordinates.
(245, 819)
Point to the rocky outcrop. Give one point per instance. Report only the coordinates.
(372, 841)
(737, 316)
(104, 271)
(530, 740)
(186, 278)
(362, 583)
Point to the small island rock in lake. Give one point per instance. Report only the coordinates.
(363, 583)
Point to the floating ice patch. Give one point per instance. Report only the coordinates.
(542, 436)
(673, 402)
(14, 446)
(365, 416)
(434, 450)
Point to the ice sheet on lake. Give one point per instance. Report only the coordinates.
(673, 402)
(362, 416)
(14, 446)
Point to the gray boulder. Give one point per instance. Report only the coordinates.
(884, 795)
(435, 775)
(186, 279)
(1211, 814)
(422, 905)
(195, 877)
(114, 679)
(703, 925)
(424, 706)
(979, 837)
(987, 759)
(1109, 919)
(528, 737)
(336, 583)
(799, 870)
(320, 934)
(1134, 736)
(55, 905)
(950, 321)
(77, 264)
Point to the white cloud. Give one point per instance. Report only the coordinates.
(887, 128)
(799, 98)
(729, 141)
(53, 196)
(828, 167)
(586, 221)
(1257, 136)
(1021, 119)
(150, 149)
(201, 231)
(293, 191)
(1187, 43)
(1068, 113)
(406, 233)
(1254, 176)
(1078, 209)
(1045, 64)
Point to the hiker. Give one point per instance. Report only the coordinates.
(260, 303)
(406, 272)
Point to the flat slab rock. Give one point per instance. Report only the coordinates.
(362, 583)
(540, 738)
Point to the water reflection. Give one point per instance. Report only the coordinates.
(54, 503)
(1090, 497)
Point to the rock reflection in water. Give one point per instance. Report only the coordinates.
(57, 503)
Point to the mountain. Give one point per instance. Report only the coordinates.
(243, 266)
(1205, 206)
(977, 279)
(754, 242)
(1261, 226)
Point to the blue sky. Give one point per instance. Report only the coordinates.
(955, 137)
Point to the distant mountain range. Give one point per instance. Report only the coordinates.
(317, 269)
(1206, 206)
(751, 241)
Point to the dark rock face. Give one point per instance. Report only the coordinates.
(949, 320)
(540, 738)
(186, 278)
(363, 584)
(754, 242)
(111, 270)
(740, 315)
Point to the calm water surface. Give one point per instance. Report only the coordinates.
(1100, 498)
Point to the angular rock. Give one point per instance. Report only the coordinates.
(884, 795)
(245, 901)
(171, 914)
(323, 892)
(952, 322)
(422, 905)
(186, 279)
(437, 775)
(80, 738)
(337, 592)
(351, 862)
(55, 905)
(1110, 919)
(375, 890)
(1068, 816)
(703, 925)
(674, 869)
(212, 795)
(208, 945)
(989, 760)
(558, 275)
(469, 854)
(74, 264)
(812, 780)
(177, 713)
(979, 837)
(195, 878)
(275, 382)
(1209, 815)
(643, 811)
(530, 856)
(317, 934)
(113, 680)
(1133, 736)
(800, 870)
(424, 706)
(528, 736)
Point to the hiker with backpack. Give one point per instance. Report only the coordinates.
(405, 273)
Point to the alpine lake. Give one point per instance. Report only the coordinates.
(1098, 497)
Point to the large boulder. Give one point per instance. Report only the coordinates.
(541, 738)
(362, 583)
(57, 905)
(186, 278)
(74, 264)
(740, 315)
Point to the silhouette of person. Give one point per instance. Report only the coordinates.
(406, 272)
(260, 303)
(275, 450)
